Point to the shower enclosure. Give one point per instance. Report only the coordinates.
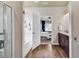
(5, 30)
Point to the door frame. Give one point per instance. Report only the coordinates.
(37, 14)
(52, 20)
(70, 30)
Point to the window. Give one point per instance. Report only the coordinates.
(46, 26)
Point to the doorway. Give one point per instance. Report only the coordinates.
(54, 34)
(46, 29)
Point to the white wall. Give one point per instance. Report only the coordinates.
(64, 24)
(67, 8)
(17, 27)
(27, 31)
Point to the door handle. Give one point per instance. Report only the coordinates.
(1, 33)
(1, 44)
(75, 38)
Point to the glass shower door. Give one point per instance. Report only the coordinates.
(8, 31)
(5, 30)
(1, 31)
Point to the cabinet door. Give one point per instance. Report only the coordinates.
(63, 41)
(67, 45)
(59, 39)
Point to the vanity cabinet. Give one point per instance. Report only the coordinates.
(64, 42)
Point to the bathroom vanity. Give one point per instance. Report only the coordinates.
(63, 39)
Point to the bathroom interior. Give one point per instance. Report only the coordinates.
(46, 29)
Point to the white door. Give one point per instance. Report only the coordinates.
(75, 28)
(36, 31)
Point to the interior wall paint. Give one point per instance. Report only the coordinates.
(27, 31)
(67, 8)
(17, 27)
(65, 22)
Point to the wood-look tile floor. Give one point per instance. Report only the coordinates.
(47, 51)
(45, 41)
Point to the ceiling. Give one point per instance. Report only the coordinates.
(45, 3)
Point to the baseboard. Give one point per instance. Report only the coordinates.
(28, 53)
(31, 50)
(36, 47)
